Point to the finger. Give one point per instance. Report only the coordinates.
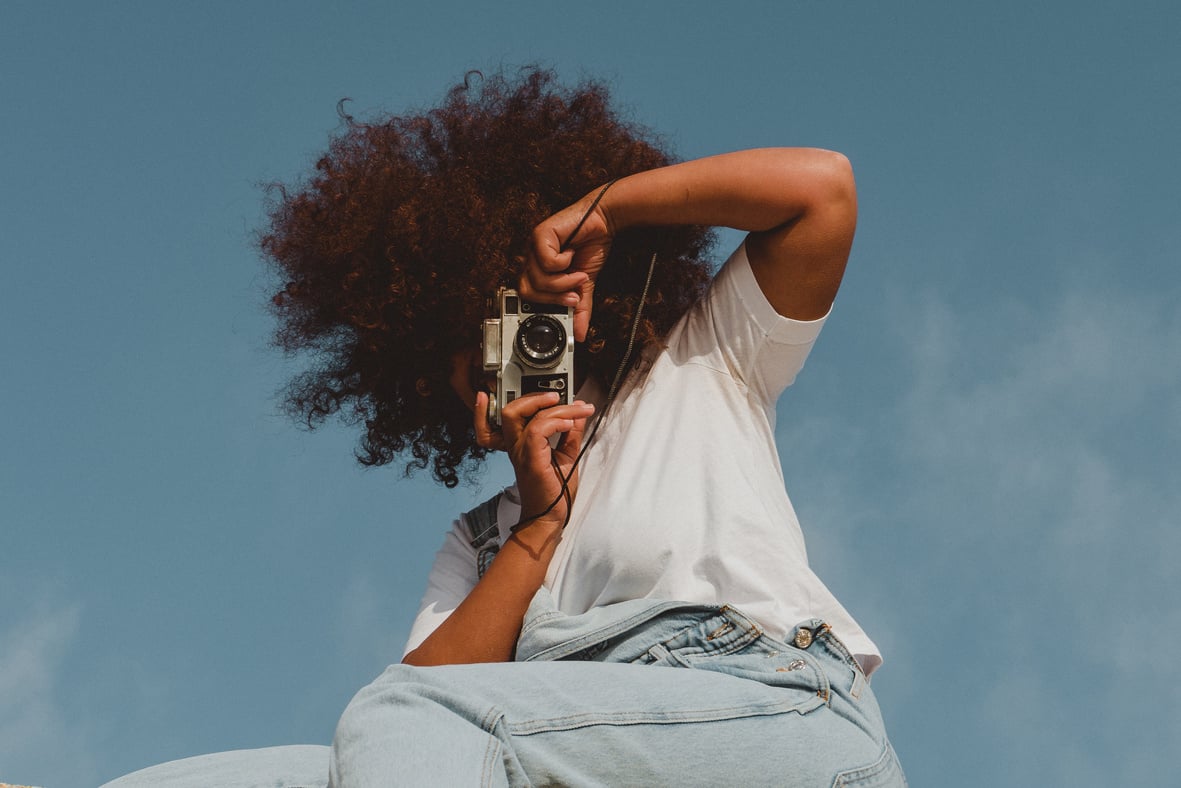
(559, 420)
(582, 310)
(538, 282)
(571, 441)
(486, 437)
(575, 410)
(548, 252)
(520, 411)
(554, 261)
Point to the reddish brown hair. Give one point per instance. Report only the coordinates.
(387, 255)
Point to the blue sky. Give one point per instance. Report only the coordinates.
(982, 450)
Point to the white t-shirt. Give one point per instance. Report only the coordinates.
(681, 495)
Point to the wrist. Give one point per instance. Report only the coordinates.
(540, 517)
(645, 199)
(531, 546)
(612, 210)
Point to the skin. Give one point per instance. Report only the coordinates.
(799, 206)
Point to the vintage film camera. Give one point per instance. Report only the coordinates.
(530, 347)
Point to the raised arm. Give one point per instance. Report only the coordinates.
(799, 204)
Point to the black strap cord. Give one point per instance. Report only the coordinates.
(594, 204)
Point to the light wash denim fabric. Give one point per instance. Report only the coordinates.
(294, 766)
(641, 693)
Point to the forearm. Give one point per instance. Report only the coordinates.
(799, 204)
(753, 190)
(485, 626)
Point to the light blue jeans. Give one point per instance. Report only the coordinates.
(641, 693)
(291, 766)
(638, 693)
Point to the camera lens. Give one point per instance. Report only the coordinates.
(541, 340)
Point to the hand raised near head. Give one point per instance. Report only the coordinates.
(564, 259)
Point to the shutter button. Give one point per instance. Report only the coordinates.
(803, 637)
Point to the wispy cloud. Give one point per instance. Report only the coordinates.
(1015, 490)
(371, 626)
(1063, 519)
(39, 741)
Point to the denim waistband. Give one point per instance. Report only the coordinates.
(548, 634)
(645, 630)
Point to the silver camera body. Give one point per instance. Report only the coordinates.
(530, 347)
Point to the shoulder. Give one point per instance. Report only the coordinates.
(736, 330)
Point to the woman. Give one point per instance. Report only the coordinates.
(644, 614)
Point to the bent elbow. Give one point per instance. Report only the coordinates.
(839, 185)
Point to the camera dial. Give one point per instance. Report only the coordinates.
(541, 340)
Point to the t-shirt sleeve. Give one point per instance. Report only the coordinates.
(452, 578)
(736, 328)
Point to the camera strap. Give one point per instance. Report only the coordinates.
(594, 204)
(611, 392)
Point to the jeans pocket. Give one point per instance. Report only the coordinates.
(885, 772)
(789, 669)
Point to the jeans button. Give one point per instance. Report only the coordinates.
(803, 637)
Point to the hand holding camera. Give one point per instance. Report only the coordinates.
(530, 348)
(529, 424)
(567, 252)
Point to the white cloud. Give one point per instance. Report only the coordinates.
(39, 741)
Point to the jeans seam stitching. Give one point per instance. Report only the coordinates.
(575, 721)
(879, 766)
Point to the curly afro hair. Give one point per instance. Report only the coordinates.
(387, 256)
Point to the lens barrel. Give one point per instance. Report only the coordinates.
(540, 340)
